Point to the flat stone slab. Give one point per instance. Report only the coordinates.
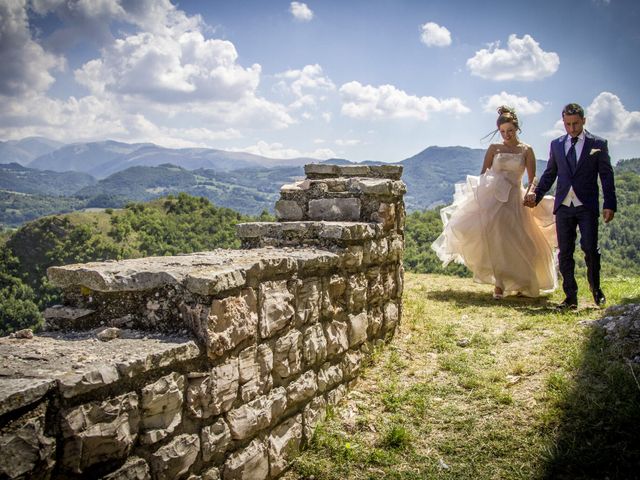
(204, 273)
(78, 362)
(315, 171)
(311, 229)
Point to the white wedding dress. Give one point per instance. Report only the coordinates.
(500, 240)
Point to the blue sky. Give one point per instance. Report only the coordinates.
(359, 79)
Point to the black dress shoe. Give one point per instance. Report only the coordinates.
(568, 304)
(599, 298)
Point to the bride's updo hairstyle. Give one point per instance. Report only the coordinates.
(507, 115)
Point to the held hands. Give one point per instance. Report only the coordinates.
(607, 215)
(530, 200)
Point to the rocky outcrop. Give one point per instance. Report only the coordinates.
(215, 364)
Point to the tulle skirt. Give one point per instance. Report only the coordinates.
(500, 240)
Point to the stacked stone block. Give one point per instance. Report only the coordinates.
(216, 365)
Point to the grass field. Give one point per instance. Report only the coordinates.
(474, 388)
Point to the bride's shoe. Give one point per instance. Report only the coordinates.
(498, 293)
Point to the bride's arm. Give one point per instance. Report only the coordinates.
(488, 158)
(530, 162)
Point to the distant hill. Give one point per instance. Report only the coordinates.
(102, 159)
(431, 174)
(248, 191)
(628, 165)
(25, 150)
(91, 158)
(14, 177)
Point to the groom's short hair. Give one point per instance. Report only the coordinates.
(573, 109)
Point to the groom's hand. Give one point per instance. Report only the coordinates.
(607, 215)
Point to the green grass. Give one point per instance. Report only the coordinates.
(471, 388)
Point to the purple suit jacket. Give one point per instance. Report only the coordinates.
(594, 163)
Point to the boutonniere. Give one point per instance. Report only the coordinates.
(594, 151)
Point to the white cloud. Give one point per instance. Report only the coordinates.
(301, 11)
(522, 105)
(25, 67)
(308, 86)
(311, 77)
(179, 67)
(277, 150)
(386, 101)
(523, 59)
(608, 117)
(434, 35)
(145, 84)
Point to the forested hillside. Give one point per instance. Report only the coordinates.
(166, 226)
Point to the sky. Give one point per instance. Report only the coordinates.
(359, 79)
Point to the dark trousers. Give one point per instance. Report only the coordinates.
(568, 221)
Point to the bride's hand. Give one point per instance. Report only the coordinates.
(529, 200)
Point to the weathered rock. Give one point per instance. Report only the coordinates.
(314, 413)
(162, 407)
(255, 364)
(135, 468)
(287, 356)
(16, 393)
(213, 281)
(24, 333)
(391, 317)
(25, 448)
(211, 474)
(329, 376)
(334, 300)
(99, 431)
(335, 209)
(336, 395)
(357, 292)
(174, 459)
(251, 463)
(284, 444)
(308, 302)
(303, 389)
(351, 364)
(376, 320)
(215, 440)
(314, 345)
(109, 333)
(226, 324)
(386, 215)
(288, 210)
(337, 337)
(276, 307)
(358, 325)
(248, 419)
(214, 393)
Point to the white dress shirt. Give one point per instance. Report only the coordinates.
(572, 199)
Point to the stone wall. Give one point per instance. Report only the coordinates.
(215, 364)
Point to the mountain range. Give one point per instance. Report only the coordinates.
(101, 159)
(109, 174)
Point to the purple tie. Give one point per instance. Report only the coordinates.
(571, 154)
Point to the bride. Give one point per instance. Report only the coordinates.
(488, 229)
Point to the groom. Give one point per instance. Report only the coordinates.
(577, 160)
